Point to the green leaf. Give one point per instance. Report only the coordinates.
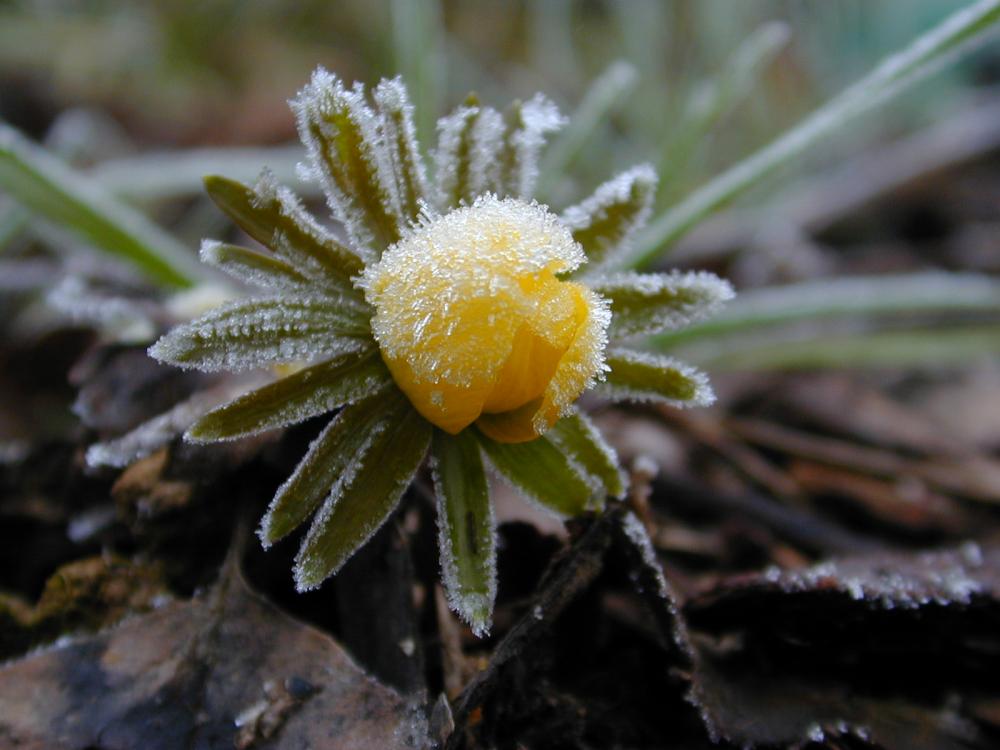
(639, 376)
(254, 268)
(521, 146)
(396, 120)
(542, 472)
(419, 52)
(649, 303)
(296, 398)
(363, 497)
(961, 32)
(254, 332)
(272, 215)
(466, 528)
(347, 436)
(581, 441)
(467, 157)
(71, 201)
(341, 132)
(604, 223)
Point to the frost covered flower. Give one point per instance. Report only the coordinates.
(458, 319)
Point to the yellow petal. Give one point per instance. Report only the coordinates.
(472, 320)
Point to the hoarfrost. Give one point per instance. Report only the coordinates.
(305, 573)
(615, 194)
(398, 130)
(246, 334)
(647, 303)
(539, 118)
(317, 106)
(125, 319)
(474, 608)
(702, 395)
(152, 435)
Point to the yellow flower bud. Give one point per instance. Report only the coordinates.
(475, 324)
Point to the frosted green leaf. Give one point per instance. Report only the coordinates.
(396, 120)
(272, 215)
(466, 528)
(545, 474)
(466, 159)
(583, 444)
(351, 160)
(364, 495)
(348, 434)
(254, 268)
(160, 430)
(605, 222)
(647, 303)
(640, 376)
(307, 393)
(536, 119)
(251, 333)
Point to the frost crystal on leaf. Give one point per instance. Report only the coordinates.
(606, 221)
(349, 153)
(538, 118)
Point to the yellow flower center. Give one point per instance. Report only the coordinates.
(475, 324)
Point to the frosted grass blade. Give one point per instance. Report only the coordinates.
(943, 347)
(466, 528)
(45, 186)
(396, 120)
(365, 494)
(965, 30)
(860, 297)
(418, 34)
(714, 99)
(307, 393)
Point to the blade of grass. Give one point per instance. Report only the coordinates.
(418, 46)
(930, 347)
(961, 32)
(605, 93)
(858, 297)
(160, 176)
(714, 99)
(13, 220)
(74, 202)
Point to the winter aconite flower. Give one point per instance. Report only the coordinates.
(458, 319)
